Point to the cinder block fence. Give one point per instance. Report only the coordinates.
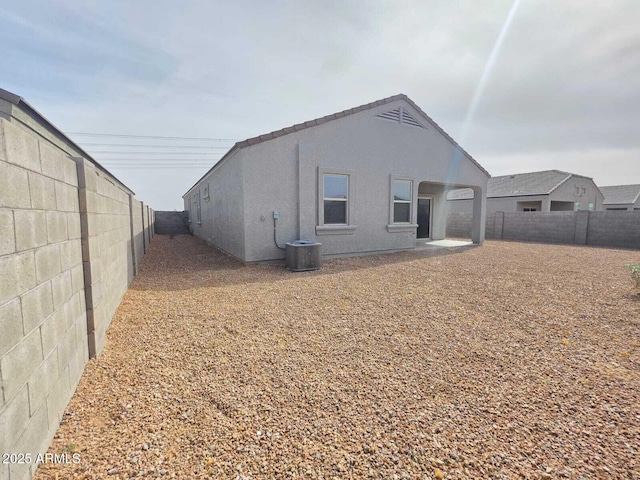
(71, 240)
(618, 229)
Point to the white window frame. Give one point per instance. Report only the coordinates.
(333, 228)
(345, 200)
(394, 201)
(205, 193)
(412, 225)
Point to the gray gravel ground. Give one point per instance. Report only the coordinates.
(510, 360)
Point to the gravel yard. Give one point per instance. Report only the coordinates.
(511, 360)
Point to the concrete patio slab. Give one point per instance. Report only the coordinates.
(446, 243)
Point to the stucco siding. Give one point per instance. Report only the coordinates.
(498, 204)
(619, 206)
(271, 184)
(282, 174)
(222, 214)
(567, 192)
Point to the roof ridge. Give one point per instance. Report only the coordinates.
(334, 116)
(350, 111)
(568, 176)
(318, 121)
(537, 171)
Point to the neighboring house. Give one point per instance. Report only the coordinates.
(546, 191)
(621, 197)
(369, 179)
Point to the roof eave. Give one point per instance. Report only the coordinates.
(335, 116)
(518, 195)
(236, 147)
(446, 135)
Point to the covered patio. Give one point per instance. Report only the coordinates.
(432, 210)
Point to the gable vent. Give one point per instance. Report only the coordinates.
(401, 115)
(394, 115)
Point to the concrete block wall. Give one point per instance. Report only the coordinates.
(617, 229)
(152, 223)
(43, 324)
(172, 223)
(546, 227)
(67, 250)
(148, 221)
(107, 248)
(137, 232)
(614, 229)
(459, 224)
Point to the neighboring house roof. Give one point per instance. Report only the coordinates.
(519, 184)
(22, 103)
(620, 194)
(335, 116)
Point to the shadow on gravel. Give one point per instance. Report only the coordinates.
(182, 262)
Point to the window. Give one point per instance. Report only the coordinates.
(529, 209)
(336, 199)
(402, 190)
(335, 196)
(206, 192)
(402, 203)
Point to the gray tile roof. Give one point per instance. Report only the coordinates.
(620, 194)
(319, 121)
(533, 183)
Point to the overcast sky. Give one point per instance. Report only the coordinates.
(559, 88)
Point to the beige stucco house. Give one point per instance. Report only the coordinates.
(621, 197)
(545, 191)
(369, 179)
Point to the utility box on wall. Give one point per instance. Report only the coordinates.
(303, 255)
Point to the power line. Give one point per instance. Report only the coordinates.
(139, 167)
(178, 161)
(131, 164)
(129, 152)
(136, 145)
(134, 159)
(87, 134)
